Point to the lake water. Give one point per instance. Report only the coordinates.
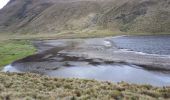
(110, 72)
(128, 73)
(115, 73)
(99, 70)
(146, 44)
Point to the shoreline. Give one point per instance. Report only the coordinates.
(96, 48)
(89, 48)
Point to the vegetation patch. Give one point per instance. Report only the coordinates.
(28, 86)
(11, 50)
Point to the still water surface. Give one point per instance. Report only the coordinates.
(115, 73)
(146, 44)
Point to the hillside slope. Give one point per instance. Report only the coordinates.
(42, 16)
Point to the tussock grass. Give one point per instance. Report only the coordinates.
(32, 86)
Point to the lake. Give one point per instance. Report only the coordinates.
(146, 44)
(76, 67)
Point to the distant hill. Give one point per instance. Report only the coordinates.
(37, 16)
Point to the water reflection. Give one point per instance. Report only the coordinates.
(115, 73)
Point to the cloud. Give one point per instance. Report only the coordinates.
(3, 3)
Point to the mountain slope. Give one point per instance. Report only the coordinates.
(37, 16)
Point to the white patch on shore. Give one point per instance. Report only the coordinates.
(119, 36)
(107, 43)
(10, 68)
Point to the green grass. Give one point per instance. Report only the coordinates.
(11, 50)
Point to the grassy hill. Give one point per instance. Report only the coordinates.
(55, 16)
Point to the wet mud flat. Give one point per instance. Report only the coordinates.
(53, 60)
(97, 58)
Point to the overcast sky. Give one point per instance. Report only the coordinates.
(3, 3)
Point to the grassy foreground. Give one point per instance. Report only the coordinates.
(31, 86)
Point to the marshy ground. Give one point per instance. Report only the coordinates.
(33, 86)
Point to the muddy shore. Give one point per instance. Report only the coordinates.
(54, 54)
